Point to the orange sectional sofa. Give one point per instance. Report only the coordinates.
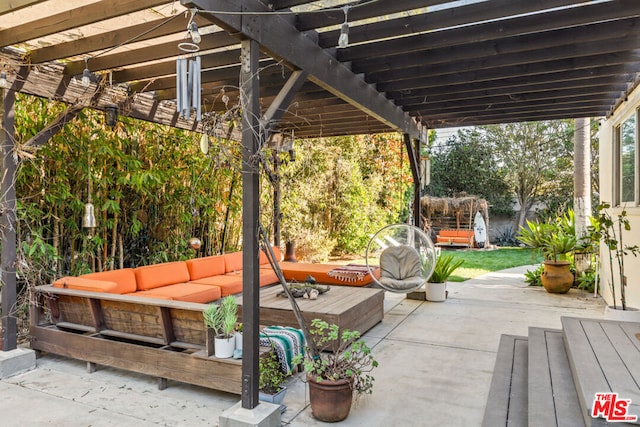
(200, 280)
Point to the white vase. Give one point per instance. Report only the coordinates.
(224, 347)
(238, 340)
(436, 292)
(628, 315)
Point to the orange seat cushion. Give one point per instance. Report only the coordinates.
(205, 267)
(158, 275)
(267, 277)
(84, 284)
(149, 294)
(188, 292)
(228, 284)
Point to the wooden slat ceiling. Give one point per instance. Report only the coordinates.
(409, 64)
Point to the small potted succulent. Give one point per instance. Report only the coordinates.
(222, 320)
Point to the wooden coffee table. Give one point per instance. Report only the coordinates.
(354, 308)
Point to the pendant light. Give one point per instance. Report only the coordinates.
(111, 115)
(89, 217)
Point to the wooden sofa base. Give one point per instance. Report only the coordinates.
(162, 338)
(168, 339)
(165, 363)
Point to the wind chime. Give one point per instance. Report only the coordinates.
(188, 85)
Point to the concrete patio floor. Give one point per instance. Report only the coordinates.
(436, 362)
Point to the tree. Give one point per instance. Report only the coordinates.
(537, 161)
(464, 165)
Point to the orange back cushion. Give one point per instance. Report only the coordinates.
(233, 262)
(83, 284)
(157, 275)
(125, 278)
(206, 267)
(263, 256)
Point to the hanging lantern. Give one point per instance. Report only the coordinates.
(111, 115)
(89, 217)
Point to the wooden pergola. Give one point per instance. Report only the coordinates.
(408, 66)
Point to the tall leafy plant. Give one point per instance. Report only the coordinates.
(446, 264)
(609, 231)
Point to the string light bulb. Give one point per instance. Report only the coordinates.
(3, 80)
(343, 40)
(86, 75)
(194, 33)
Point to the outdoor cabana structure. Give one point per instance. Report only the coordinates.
(452, 212)
(307, 69)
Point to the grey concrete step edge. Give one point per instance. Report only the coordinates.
(507, 399)
(552, 396)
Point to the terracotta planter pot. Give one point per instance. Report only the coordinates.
(330, 400)
(556, 277)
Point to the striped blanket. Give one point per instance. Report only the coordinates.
(287, 343)
(350, 272)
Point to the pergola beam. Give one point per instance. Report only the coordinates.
(425, 36)
(438, 21)
(145, 31)
(73, 18)
(12, 5)
(281, 39)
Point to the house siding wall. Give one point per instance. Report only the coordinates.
(632, 264)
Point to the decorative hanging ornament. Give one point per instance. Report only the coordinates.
(204, 143)
(89, 217)
(188, 87)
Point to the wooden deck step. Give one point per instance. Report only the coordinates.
(552, 396)
(604, 357)
(507, 401)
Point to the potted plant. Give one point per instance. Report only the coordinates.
(435, 288)
(222, 320)
(604, 230)
(270, 388)
(342, 366)
(555, 239)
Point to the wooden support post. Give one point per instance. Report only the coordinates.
(249, 97)
(8, 237)
(277, 198)
(162, 383)
(414, 156)
(91, 367)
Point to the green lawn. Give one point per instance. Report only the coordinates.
(478, 262)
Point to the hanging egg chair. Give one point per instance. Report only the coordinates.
(406, 257)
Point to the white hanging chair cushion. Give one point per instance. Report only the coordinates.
(400, 267)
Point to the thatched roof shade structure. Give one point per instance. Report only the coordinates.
(452, 212)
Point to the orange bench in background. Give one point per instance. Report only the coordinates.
(457, 237)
